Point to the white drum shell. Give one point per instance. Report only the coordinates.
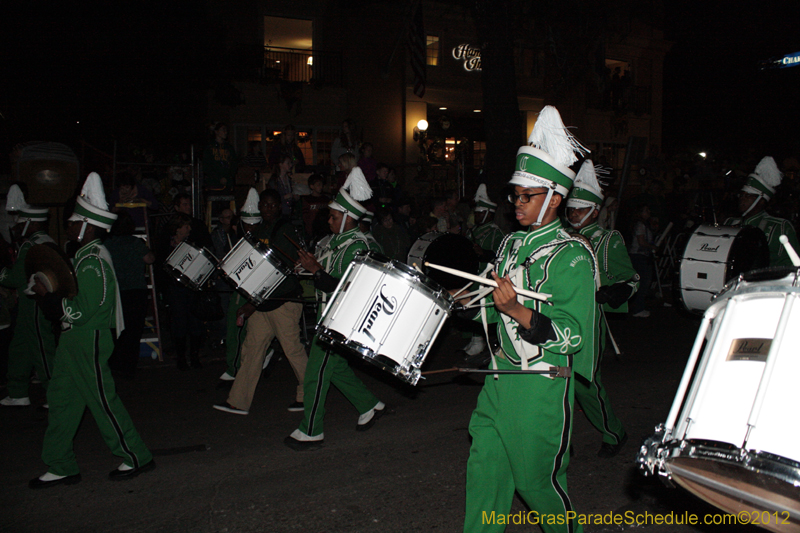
(253, 270)
(416, 254)
(388, 317)
(704, 266)
(190, 265)
(721, 404)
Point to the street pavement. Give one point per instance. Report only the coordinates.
(220, 472)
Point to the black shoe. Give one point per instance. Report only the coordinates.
(608, 450)
(183, 365)
(303, 445)
(119, 475)
(37, 483)
(296, 406)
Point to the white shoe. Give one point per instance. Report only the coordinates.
(476, 345)
(366, 420)
(226, 377)
(8, 401)
(642, 314)
(302, 437)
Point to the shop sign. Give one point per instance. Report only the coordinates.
(470, 55)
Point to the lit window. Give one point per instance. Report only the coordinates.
(433, 50)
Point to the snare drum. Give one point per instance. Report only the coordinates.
(190, 265)
(386, 312)
(729, 437)
(446, 249)
(253, 269)
(712, 256)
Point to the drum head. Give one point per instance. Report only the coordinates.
(454, 251)
(748, 252)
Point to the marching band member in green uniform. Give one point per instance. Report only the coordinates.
(81, 376)
(753, 199)
(486, 237)
(33, 344)
(325, 366)
(619, 282)
(522, 424)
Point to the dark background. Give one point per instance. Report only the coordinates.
(138, 72)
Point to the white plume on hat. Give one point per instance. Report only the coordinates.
(93, 191)
(16, 200)
(250, 213)
(767, 172)
(551, 136)
(482, 201)
(587, 177)
(356, 185)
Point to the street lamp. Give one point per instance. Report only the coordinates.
(419, 130)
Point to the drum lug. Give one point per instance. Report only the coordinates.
(653, 455)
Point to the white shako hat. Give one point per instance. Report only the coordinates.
(545, 162)
(250, 213)
(355, 190)
(91, 207)
(586, 190)
(482, 202)
(16, 205)
(764, 179)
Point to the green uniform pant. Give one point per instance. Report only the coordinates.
(33, 346)
(593, 399)
(81, 379)
(235, 335)
(326, 367)
(520, 442)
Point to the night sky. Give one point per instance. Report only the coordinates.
(127, 70)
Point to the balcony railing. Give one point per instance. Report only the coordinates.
(308, 66)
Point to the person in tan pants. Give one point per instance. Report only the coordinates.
(278, 316)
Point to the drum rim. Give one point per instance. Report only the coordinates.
(779, 467)
(334, 338)
(185, 280)
(400, 270)
(741, 287)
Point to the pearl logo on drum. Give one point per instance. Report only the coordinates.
(246, 265)
(749, 350)
(706, 248)
(186, 258)
(381, 304)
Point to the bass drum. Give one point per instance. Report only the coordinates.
(714, 255)
(445, 249)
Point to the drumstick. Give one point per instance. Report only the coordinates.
(789, 250)
(295, 244)
(281, 251)
(492, 283)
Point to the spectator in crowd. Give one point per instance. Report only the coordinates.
(129, 193)
(315, 204)
(131, 256)
(347, 162)
(199, 232)
(219, 162)
(439, 212)
(281, 181)
(387, 188)
(402, 216)
(286, 146)
(344, 143)
(456, 218)
(641, 250)
(367, 163)
(393, 239)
